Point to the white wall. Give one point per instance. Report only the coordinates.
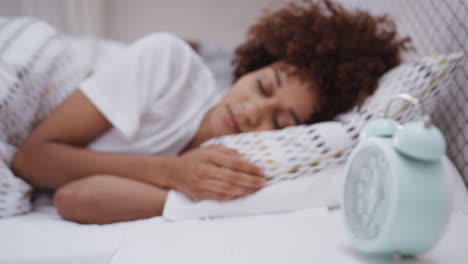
(222, 22)
(77, 17)
(216, 21)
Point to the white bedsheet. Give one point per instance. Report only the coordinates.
(306, 236)
(42, 237)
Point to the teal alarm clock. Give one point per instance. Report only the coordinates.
(395, 196)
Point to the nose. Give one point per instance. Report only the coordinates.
(258, 111)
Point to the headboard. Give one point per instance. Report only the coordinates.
(437, 26)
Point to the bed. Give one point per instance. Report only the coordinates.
(300, 236)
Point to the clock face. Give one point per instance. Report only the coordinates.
(367, 193)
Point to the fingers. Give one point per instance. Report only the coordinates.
(237, 170)
(228, 188)
(233, 160)
(224, 184)
(236, 178)
(224, 149)
(218, 173)
(238, 164)
(219, 190)
(209, 195)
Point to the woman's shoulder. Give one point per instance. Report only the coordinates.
(170, 50)
(163, 41)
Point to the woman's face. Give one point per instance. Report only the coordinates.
(265, 99)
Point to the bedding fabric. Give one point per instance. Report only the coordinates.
(299, 237)
(295, 162)
(24, 73)
(323, 189)
(39, 67)
(427, 79)
(42, 237)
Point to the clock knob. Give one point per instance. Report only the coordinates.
(418, 141)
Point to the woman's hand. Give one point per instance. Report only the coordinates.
(215, 173)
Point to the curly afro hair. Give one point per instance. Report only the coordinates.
(341, 52)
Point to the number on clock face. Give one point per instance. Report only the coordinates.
(366, 191)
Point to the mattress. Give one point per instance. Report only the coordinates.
(43, 237)
(302, 235)
(305, 236)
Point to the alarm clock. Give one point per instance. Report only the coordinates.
(395, 195)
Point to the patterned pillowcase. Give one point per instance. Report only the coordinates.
(426, 79)
(292, 152)
(288, 156)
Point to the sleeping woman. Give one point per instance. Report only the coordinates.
(132, 131)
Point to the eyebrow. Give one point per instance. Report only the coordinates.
(278, 79)
(294, 116)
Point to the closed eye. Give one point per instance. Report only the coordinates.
(274, 118)
(262, 89)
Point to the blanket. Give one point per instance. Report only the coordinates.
(36, 74)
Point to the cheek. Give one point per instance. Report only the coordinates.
(239, 90)
(239, 85)
(307, 102)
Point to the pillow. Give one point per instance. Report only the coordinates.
(294, 157)
(324, 189)
(287, 195)
(287, 155)
(292, 152)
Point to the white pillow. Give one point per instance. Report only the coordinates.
(324, 189)
(301, 193)
(315, 150)
(293, 152)
(288, 156)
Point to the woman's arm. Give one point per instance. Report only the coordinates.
(103, 199)
(55, 152)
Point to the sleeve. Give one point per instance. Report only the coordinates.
(123, 90)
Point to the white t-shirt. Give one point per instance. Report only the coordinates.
(155, 94)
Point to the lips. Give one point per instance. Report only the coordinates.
(231, 120)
